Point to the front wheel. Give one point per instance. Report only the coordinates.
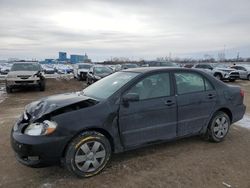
(218, 127)
(88, 154)
(8, 89)
(42, 86)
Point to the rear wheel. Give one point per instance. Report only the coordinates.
(231, 80)
(88, 154)
(218, 127)
(248, 77)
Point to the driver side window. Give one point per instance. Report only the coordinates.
(154, 86)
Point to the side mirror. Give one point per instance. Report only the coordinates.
(130, 97)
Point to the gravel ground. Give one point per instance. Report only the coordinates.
(185, 163)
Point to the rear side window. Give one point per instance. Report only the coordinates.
(189, 83)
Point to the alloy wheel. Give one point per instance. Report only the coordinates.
(90, 156)
(220, 127)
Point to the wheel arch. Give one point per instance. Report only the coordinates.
(99, 130)
(226, 111)
(218, 73)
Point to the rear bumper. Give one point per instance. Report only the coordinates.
(238, 112)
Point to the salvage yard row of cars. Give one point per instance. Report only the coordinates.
(32, 73)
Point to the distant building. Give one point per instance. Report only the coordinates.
(62, 56)
(78, 58)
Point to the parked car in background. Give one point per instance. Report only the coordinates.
(188, 65)
(244, 71)
(48, 69)
(97, 72)
(126, 110)
(220, 71)
(25, 74)
(81, 70)
(128, 66)
(5, 68)
(160, 64)
(63, 69)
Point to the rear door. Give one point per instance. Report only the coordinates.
(154, 116)
(196, 99)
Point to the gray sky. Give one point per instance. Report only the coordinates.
(118, 28)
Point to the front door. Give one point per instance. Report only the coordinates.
(153, 117)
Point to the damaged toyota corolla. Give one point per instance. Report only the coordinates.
(126, 110)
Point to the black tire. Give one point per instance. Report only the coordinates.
(231, 80)
(93, 163)
(87, 81)
(218, 76)
(42, 86)
(8, 89)
(248, 77)
(216, 132)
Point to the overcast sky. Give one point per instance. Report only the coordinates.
(124, 28)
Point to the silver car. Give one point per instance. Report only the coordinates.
(244, 71)
(23, 74)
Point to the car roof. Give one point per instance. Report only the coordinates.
(151, 69)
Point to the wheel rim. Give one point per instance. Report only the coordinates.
(221, 127)
(90, 156)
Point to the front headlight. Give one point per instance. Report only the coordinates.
(37, 129)
(11, 76)
(97, 77)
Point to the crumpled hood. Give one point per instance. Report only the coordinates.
(46, 105)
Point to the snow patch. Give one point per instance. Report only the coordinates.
(46, 185)
(245, 122)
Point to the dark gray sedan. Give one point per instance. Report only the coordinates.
(123, 111)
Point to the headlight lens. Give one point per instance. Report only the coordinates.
(97, 77)
(37, 129)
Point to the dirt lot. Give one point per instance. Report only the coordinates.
(185, 163)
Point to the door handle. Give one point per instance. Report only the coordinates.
(169, 103)
(211, 96)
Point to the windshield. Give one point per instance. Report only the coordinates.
(102, 70)
(105, 87)
(84, 66)
(26, 67)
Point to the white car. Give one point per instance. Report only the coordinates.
(220, 71)
(25, 74)
(244, 71)
(80, 70)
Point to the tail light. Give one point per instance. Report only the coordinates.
(242, 93)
